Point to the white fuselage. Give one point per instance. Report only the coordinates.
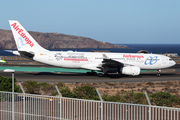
(90, 60)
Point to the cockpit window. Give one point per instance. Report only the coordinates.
(170, 59)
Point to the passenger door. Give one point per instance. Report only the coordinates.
(51, 57)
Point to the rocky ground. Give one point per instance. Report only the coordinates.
(145, 86)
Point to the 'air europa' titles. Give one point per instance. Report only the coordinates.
(20, 32)
(133, 56)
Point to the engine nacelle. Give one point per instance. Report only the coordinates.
(130, 70)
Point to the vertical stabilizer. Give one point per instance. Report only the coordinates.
(24, 41)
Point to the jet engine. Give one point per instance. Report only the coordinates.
(130, 70)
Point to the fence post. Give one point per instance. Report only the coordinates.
(23, 100)
(101, 103)
(60, 96)
(149, 105)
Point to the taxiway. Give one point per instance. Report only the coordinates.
(171, 74)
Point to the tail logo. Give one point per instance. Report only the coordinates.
(23, 36)
(20, 42)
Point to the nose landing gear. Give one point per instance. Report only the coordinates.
(158, 74)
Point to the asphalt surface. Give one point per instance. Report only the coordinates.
(171, 74)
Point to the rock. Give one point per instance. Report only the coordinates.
(55, 41)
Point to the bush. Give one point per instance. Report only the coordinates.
(130, 97)
(6, 84)
(85, 92)
(60, 84)
(31, 87)
(135, 98)
(164, 99)
(46, 87)
(65, 91)
(54, 93)
(113, 98)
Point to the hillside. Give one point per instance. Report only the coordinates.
(55, 41)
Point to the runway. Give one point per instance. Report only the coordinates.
(171, 74)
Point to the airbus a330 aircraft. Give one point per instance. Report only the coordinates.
(123, 63)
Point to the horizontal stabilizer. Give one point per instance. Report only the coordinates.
(25, 54)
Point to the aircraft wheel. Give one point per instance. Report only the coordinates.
(100, 75)
(88, 73)
(91, 73)
(158, 74)
(105, 75)
(94, 73)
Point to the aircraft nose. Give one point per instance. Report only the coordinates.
(174, 63)
(171, 62)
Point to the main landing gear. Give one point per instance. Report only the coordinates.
(91, 73)
(102, 74)
(158, 73)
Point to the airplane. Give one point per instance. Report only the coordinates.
(122, 63)
(2, 61)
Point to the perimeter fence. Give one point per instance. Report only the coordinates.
(41, 107)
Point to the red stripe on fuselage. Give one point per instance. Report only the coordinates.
(72, 59)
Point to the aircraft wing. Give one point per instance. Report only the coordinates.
(108, 62)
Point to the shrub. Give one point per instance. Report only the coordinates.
(46, 87)
(113, 98)
(6, 84)
(135, 98)
(59, 84)
(65, 91)
(85, 92)
(164, 99)
(54, 93)
(31, 87)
